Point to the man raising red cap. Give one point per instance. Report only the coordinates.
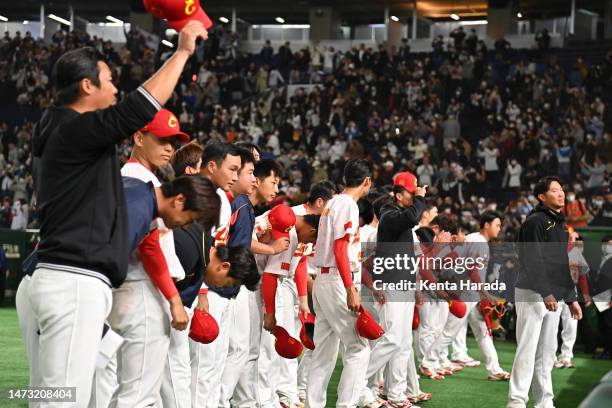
(178, 13)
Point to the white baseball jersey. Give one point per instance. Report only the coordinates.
(136, 271)
(280, 264)
(339, 219)
(261, 226)
(367, 236)
(299, 210)
(578, 265)
(477, 246)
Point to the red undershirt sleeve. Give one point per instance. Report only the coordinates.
(155, 264)
(342, 261)
(269, 283)
(583, 282)
(301, 277)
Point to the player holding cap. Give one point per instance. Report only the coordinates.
(395, 236)
(189, 248)
(220, 164)
(153, 148)
(79, 193)
(320, 194)
(544, 279)
(279, 305)
(475, 247)
(336, 296)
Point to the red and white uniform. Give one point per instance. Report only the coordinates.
(255, 387)
(140, 312)
(335, 324)
(579, 268)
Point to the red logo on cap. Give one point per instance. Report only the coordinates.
(172, 122)
(189, 7)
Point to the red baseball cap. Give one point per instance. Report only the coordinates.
(204, 327)
(282, 219)
(165, 124)
(307, 331)
(178, 13)
(366, 325)
(285, 345)
(407, 180)
(457, 308)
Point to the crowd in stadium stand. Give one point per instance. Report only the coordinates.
(478, 126)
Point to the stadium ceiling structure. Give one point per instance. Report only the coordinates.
(351, 12)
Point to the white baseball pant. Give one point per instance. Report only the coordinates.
(254, 388)
(287, 317)
(29, 329)
(568, 333)
(238, 350)
(141, 315)
(303, 367)
(70, 310)
(438, 355)
(433, 315)
(176, 381)
(393, 348)
(104, 384)
(208, 360)
(536, 335)
(335, 324)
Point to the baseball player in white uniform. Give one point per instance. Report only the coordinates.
(254, 387)
(145, 323)
(175, 390)
(475, 246)
(220, 163)
(336, 296)
(233, 382)
(280, 301)
(579, 269)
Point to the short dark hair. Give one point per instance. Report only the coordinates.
(218, 152)
(312, 220)
(356, 171)
(187, 155)
(200, 196)
(320, 190)
(245, 157)
(249, 146)
(380, 202)
(425, 235)
(266, 168)
(71, 68)
(446, 224)
(606, 238)
(488, 217)
(397, 190)
(543, 185)
(242, 264)
(366, 210)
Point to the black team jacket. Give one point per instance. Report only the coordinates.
(543, 258)
(79, 187)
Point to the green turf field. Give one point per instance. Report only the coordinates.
(466, 389)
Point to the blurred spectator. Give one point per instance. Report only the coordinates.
(20, 215)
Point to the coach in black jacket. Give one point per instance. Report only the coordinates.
(397, 220)
(544, 279)
(84, 247)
